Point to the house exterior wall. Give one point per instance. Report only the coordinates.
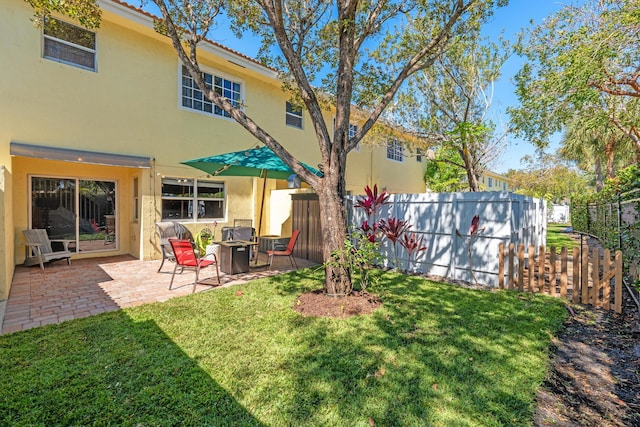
(490, 181)
(370, 165)
(131, 106)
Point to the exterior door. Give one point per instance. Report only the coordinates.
(75, 209)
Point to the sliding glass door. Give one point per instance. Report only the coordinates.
(76, 209)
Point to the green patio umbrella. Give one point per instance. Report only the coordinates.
(256, 162)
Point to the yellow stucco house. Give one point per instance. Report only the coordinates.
(94, 124)
(491, 181)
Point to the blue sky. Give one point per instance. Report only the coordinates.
(509, 20)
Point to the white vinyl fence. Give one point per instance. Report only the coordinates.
(504, 218)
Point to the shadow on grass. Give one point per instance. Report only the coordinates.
(434, 354)
(108, 370)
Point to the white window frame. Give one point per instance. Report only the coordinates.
(395, 151)
(353, 130)
(193, 199)
(293, 115)
(214, 74)
(136, 198)
(51, 38)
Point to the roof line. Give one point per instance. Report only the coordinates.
(209, 41)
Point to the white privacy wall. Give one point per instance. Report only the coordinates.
(505, 217)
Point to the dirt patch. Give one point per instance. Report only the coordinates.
(595, 374)
(595, 369)
(316, 303)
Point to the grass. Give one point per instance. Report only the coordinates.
(433, 355)
(558, 237)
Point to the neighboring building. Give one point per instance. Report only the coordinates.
(490, 181)
(94, 124)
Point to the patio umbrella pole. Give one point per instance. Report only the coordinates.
(264, 188)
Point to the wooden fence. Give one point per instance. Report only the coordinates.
(587, 276)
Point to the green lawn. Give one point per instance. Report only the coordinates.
(433, 355)
(558, 237)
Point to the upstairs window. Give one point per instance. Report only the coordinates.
(69, 44)
(418, 155)
(193, 98)
(353, 130)
(395, 151)
(294, 116)
(490, 182)
(192, 199)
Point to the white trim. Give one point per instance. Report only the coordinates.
(288, 114)
(94, 51)
(194, 199)
(214, 73)
(395, 143)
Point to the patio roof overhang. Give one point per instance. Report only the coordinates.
(78, 156)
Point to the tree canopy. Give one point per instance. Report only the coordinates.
(449, 104)
(583, 59)
(548, 177)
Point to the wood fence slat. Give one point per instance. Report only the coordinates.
(588, 286)
(584, 275)
(542, 260)
(618, 287)
(511, 267)
(595, 281)
(606, 279)
(532, 267)
(575, 289)
(563, 273)
(501, 266)
(552, 271)
(521, 267)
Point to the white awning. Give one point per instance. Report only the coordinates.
(78, 156)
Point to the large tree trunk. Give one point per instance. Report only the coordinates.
(472, 178)
(599, 178)
(609, 152)
(333, 221)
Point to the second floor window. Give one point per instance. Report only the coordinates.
(294, 116)
(395, 151)
(69, 44)
(353, 130)
(189, 199)
(192, 96)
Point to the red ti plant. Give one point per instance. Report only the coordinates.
(413, 244)
(369, 230)
(474, 230)
(393, 229)
(372, 201)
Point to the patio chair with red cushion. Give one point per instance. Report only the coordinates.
(288, 251)
(186, 257)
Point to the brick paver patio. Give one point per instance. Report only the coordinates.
(97, 285)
